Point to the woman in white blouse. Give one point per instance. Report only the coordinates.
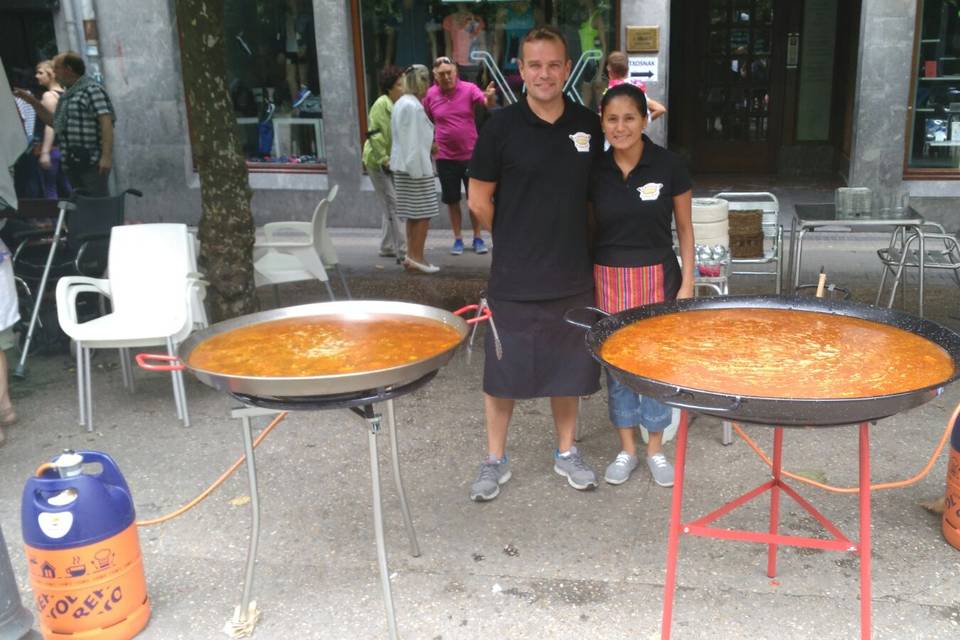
(412, 166)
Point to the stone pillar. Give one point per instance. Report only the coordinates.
(652, 13)
(882, 93)
(339, 98)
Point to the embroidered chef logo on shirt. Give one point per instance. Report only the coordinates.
(650, 191)
(581, 141)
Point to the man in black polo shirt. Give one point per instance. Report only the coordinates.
(529, 177)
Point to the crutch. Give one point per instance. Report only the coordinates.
(64, 206)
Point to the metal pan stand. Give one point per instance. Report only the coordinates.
(360, 403)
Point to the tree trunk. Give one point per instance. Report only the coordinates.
(226, 223)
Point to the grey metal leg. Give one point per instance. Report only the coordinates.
(251, 464)
(343, 281)
(171, 351)
(378, 527)
(796, 261)
(727, 438)
(329, 289)
(21, 369)
(81, 386)
(88, 391)
(793, 250)
(922, 259)
(779, 258)
(395, 456)
(127, 370)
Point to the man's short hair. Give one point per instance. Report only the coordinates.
(73, 61)
(546, 32)
(617, 65)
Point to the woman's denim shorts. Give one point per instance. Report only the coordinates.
(630, 409)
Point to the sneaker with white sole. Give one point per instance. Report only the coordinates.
(620, 469)
(660, 469)
(571, 465)
(479, 246)
(457, 248)
(493, 473)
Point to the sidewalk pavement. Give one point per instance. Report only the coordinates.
(542, 560)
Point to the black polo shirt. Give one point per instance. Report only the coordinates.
(542, 172)
(634, 214)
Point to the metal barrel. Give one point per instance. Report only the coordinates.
(15, 620)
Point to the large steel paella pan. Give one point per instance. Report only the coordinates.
(815, 348)
(351, 331)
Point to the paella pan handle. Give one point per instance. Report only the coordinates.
(733, 406)
(570, 312)
(143, 361)
(485, 314)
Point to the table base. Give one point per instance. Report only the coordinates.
(773, 539)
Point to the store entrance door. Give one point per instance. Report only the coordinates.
(733, 84)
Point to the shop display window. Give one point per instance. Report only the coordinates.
(274, 83)
(933, 135)
(405, 32)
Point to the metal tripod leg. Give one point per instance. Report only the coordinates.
(404, 509)
(21, 370)
(727, 437)
(374, 420)
(244, 414)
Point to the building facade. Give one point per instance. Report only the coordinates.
(865, 92)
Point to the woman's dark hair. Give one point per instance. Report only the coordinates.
(627, 90)
(388, 77)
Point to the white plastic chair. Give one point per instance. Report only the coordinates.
(772, 231)
(296, 251)
(152, 287)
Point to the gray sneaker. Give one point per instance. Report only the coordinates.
(620, 469)
(571, 465)
(493, 473)
(661, 469)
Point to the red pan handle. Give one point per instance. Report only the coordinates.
(485, 315)
(143, 360)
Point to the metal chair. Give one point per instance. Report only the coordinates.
(938, 250)
(768, 204)
(295, 251)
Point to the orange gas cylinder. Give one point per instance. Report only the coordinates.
(83, 551)
(951, 515)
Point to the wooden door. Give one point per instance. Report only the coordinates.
(737, 72)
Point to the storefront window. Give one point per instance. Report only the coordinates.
(483, 38)
(273, 81)
(934, 129)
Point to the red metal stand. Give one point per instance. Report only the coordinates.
(700, 527)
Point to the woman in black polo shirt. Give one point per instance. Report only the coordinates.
(637, 189)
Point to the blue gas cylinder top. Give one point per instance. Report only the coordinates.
(64, 512)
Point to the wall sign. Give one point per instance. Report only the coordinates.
(643, 39)
(643, 69)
